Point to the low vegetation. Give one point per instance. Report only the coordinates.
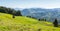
(21, 23)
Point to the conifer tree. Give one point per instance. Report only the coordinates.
(55, 23)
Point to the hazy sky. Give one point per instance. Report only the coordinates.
(30, 3)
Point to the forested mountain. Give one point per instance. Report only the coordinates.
(39, 13)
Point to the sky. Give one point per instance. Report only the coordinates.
(30, 3)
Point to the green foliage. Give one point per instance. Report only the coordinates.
(28, 16)
(18, 13)
(10, 11)
(13, 16)
(21, 23)
(42, 19)
(55, 23)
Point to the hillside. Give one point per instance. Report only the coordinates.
(21, 23)
(40, 13)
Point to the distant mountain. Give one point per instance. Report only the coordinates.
(49, 14)
(18, 8)
(25, 12)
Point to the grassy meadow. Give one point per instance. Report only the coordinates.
(21, 23)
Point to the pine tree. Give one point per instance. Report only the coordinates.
(39, 19)
(55, 23)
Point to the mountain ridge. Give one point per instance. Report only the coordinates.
(42, 13)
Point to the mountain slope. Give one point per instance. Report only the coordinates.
(21, 23)
(39, 13)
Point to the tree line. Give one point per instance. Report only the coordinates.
(10, 11)
(55, 23)
(18, 13)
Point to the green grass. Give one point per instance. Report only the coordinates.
(21, 23)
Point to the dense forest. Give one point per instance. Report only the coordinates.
(10, 11)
